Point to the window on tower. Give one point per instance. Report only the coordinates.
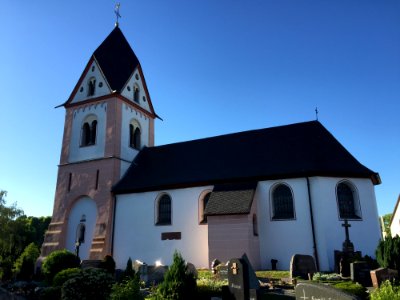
(134, 135)
(89, 131)
(136, 94)
(91, 86)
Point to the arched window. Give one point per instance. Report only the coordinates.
(347, 201)
(136, 94)
(282, 203)
(255, 225)
(134, 135)
(164, 210)
(91, 86)
(203, 205)
(89, 131)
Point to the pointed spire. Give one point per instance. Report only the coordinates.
(116, 59)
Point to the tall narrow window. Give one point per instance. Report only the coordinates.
(134, 135)
(282, 203)
(91, 86)
(164, 210)
(347, 202)
(136, 94)
(89, 131)
(97, 179)
(93, 132)
(69, 181)
(85, 134)
(204, 202)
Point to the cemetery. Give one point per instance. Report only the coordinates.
(63, 275)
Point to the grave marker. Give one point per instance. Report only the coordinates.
(309, 291)
(301, 266)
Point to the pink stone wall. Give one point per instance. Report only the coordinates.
(231, 236)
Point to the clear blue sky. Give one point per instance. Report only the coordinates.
(212, 67)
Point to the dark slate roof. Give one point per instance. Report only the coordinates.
(116, 59)
(290, 151)
(227, 199)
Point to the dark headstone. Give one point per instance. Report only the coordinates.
(274, 262)
(360, 272)
(343, 260)
(155, 274)
(251, 274)
(89, 264)
(302, 266)
(191, 270)
(380, 275)
(242, 280)
(236, 279)
(320, 291)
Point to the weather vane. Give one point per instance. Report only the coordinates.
(316, 113)
(116, 10)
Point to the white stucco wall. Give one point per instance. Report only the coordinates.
(281, 239)
(78, 153)
(139, 83)
(395, 224)
(84, 206)
(129, 114)
(364, 234)
(82, 92)
(137, 236)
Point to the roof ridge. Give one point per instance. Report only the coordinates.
(239, 133)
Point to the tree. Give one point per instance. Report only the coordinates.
(386, 223)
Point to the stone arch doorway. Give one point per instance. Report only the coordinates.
(83, 211)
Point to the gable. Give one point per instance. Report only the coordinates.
(101, 88)
(291, 151)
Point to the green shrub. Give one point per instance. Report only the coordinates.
(108, 264)
(6, 265)
(57, 261)
(89, 284)
(352, 288)
(386, 291)
(24, 266)
(50, 293)
(65, 275)
(127, 290)
(388, 253)
(177, 283)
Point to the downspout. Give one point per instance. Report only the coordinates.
(312, 225)
(113, 225)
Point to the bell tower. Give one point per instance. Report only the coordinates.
(109, 118)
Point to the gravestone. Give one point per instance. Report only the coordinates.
(221, 272)
(302, 266)
(214, 264)
(320, 291)
(360, 272)
(242, 280)
(191, 270)
(382, 274)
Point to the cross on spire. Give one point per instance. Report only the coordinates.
(316, 113)
(117, 15)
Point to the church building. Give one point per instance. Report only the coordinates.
(270, 193)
